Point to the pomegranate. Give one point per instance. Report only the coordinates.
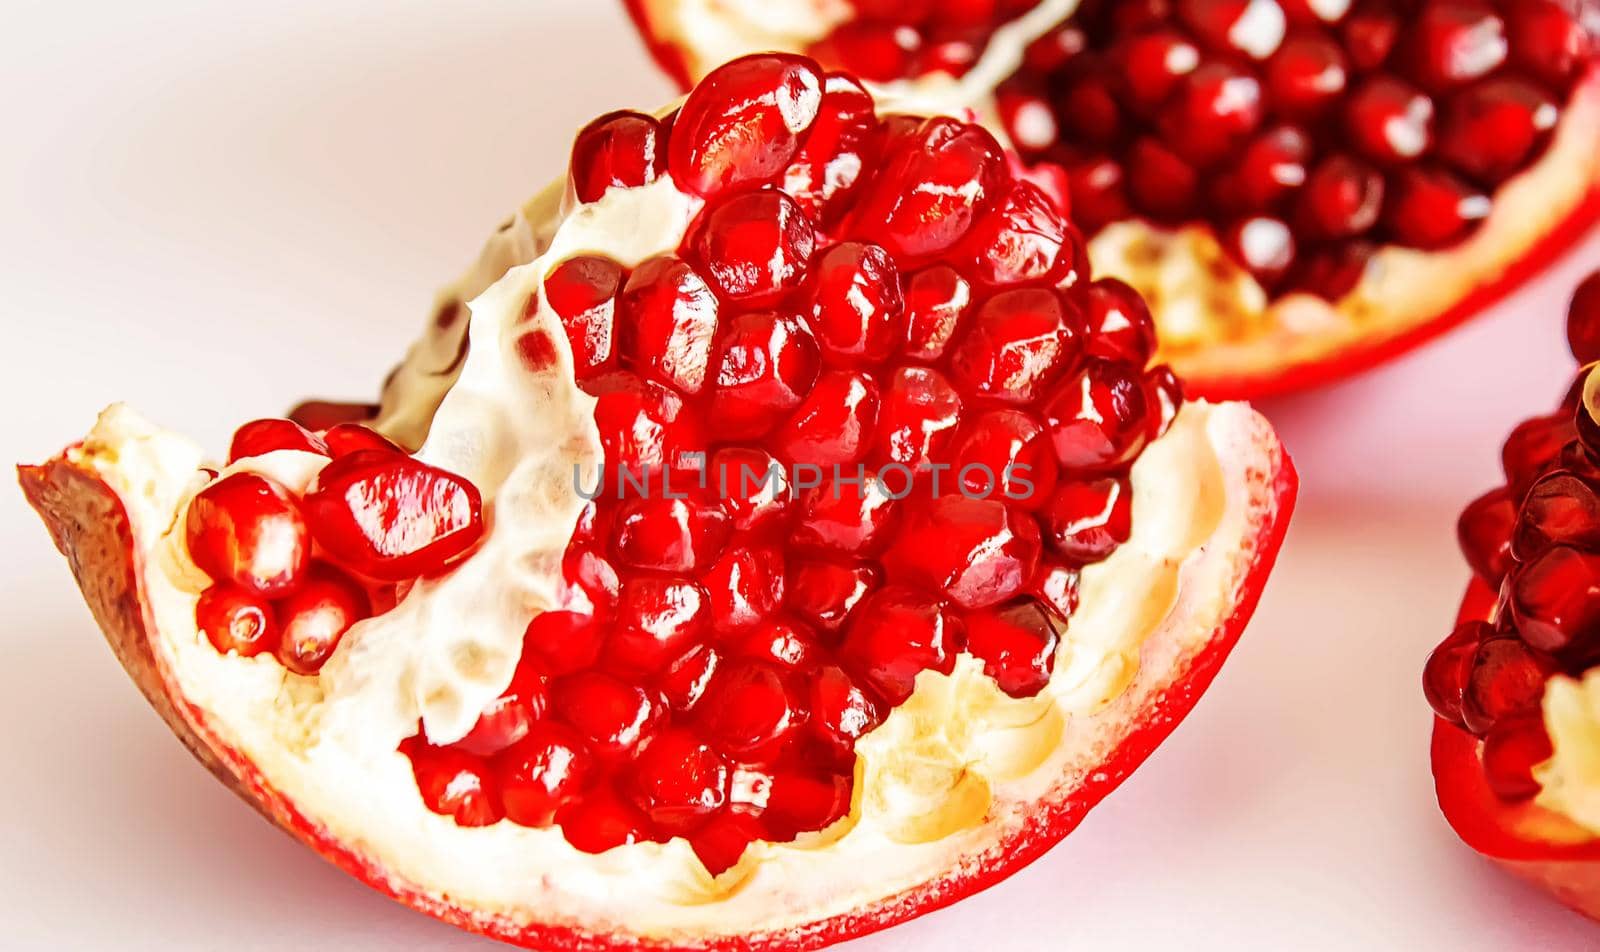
(1299, 190)
(731, 520)
(1514, 686)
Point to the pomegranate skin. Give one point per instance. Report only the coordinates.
(91, 527)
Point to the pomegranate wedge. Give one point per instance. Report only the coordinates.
(1516, 686)
(1299, 189)
(791, 545)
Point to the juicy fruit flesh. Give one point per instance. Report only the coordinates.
(1536, 541)
(832, 422)
(1303, 137)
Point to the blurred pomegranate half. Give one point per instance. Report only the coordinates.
(1299, 188)
(1516, 686)
(777, 544)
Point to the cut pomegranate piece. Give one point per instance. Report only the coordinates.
(579, 636)
(1178, 120)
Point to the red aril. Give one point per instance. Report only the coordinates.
(246, 529)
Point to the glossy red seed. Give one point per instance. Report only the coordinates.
(1252, 27)
(509, 717)
(455, 784)
(744, 586)
(1430, 208)
(1370, 33)
(1306, 75)
(1263, 245)
(833, 424)
(616, 150)
(1444, 676)
(1057, 587)
(849, 515)
(1213, 110)
(784, 642)
(1027, 115)
(343, 439)
(247, 529)
(684, 682)
(1025, 239)
(669, 318)
(1559, 509)
(1151, 65)
(393, 517)
(1269, 168)
(1017, 645)
(1506, 678)
(1388, 120)
(563, 641)
(1086, 520)
(1099, 192)
(612, 716)
(932, 188)
(543, 771)
(259, 437)
(875, 50)
(1555, 598)
(743, 124)
(1451, 42)
(766, 361)
(1005, 455)
(825, 593)
(582, 290)
(842, 711)
(917, 418)
(1493, 128)
(236, 620)
(751, 711)
(1099, 419)
(669, 535)
(1164, 393)
(321, 414)
(752, 247)
(721, 842)
(679, 781)
(1532, 446)
(1484, 532)
(1510, 752)
(1342, 198)
(315, 616)
(832, 161)
(805, 799)
(1088, 109)
(1160, 183)
(658, 620)
(752, 485)
(644, 427)
(856, 308)
(1547, 41)
(936, 300)
(976, 552)
(1119, 323)
(602, 819)
(1016, 345)
(894, 635)
(1583, 320)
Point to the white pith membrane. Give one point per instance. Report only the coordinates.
(1570, 780)
(949, 775)
(1216, 322)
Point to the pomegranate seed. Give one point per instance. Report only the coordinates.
(802, 800)
(1027, 116)
(541, 772)
(1151, 65)
(669, 535)
(1494, 128)
(658, 620)
(314, 617)
(1056, 585)
(1484, 532)
(834, 423)
(509, 717)
(1099, 193)
(644, 428)
(1270, 168)
(1017, 344)
(1306, 75)
(1547, 41)
(1388, 120)
(780, 641)
(680, 781)
(259, 437)
(1252, 27)
(1119, 324)
(976, 552)
(1024, 240)
(1506, 679)
(1214, 108)
(1342, 198)
(685, 681)
(849, 515)
(825, 593)
(842, 711)
(1532, 446)
(1430, 208)
(247, 529)
(932, 187)
(582, 290)
(1161, 184)
(563, 642)
(1555, 598)
(873, 50)
(1445, 674)
(1100, 419)
(392, 517)
(1088, 109)
(743, 124)
(1583, 321)
(1017, 645)
(612, 716)
(918, 417)
(1164, 391)
(856, 308)
(346, 438)
(936, 300)
(1510, 752)
(721, 842)
(751, 711)
(752, 484)
(1332, 272)
(829, 164)
(1087, 520)
(744, 587)
(1302, 12)
(321, 414)
(455, 784)
(236, 620)
(1006, 454)
(1263, 245)
(767, 361)
(601, 820)
(592, 577)
(1559, 509)
(1454, 42)
(1370, 33)
(895, 634)
(619, 149)
(753, 246)
(671, 316)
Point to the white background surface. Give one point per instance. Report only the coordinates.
(212, 209)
